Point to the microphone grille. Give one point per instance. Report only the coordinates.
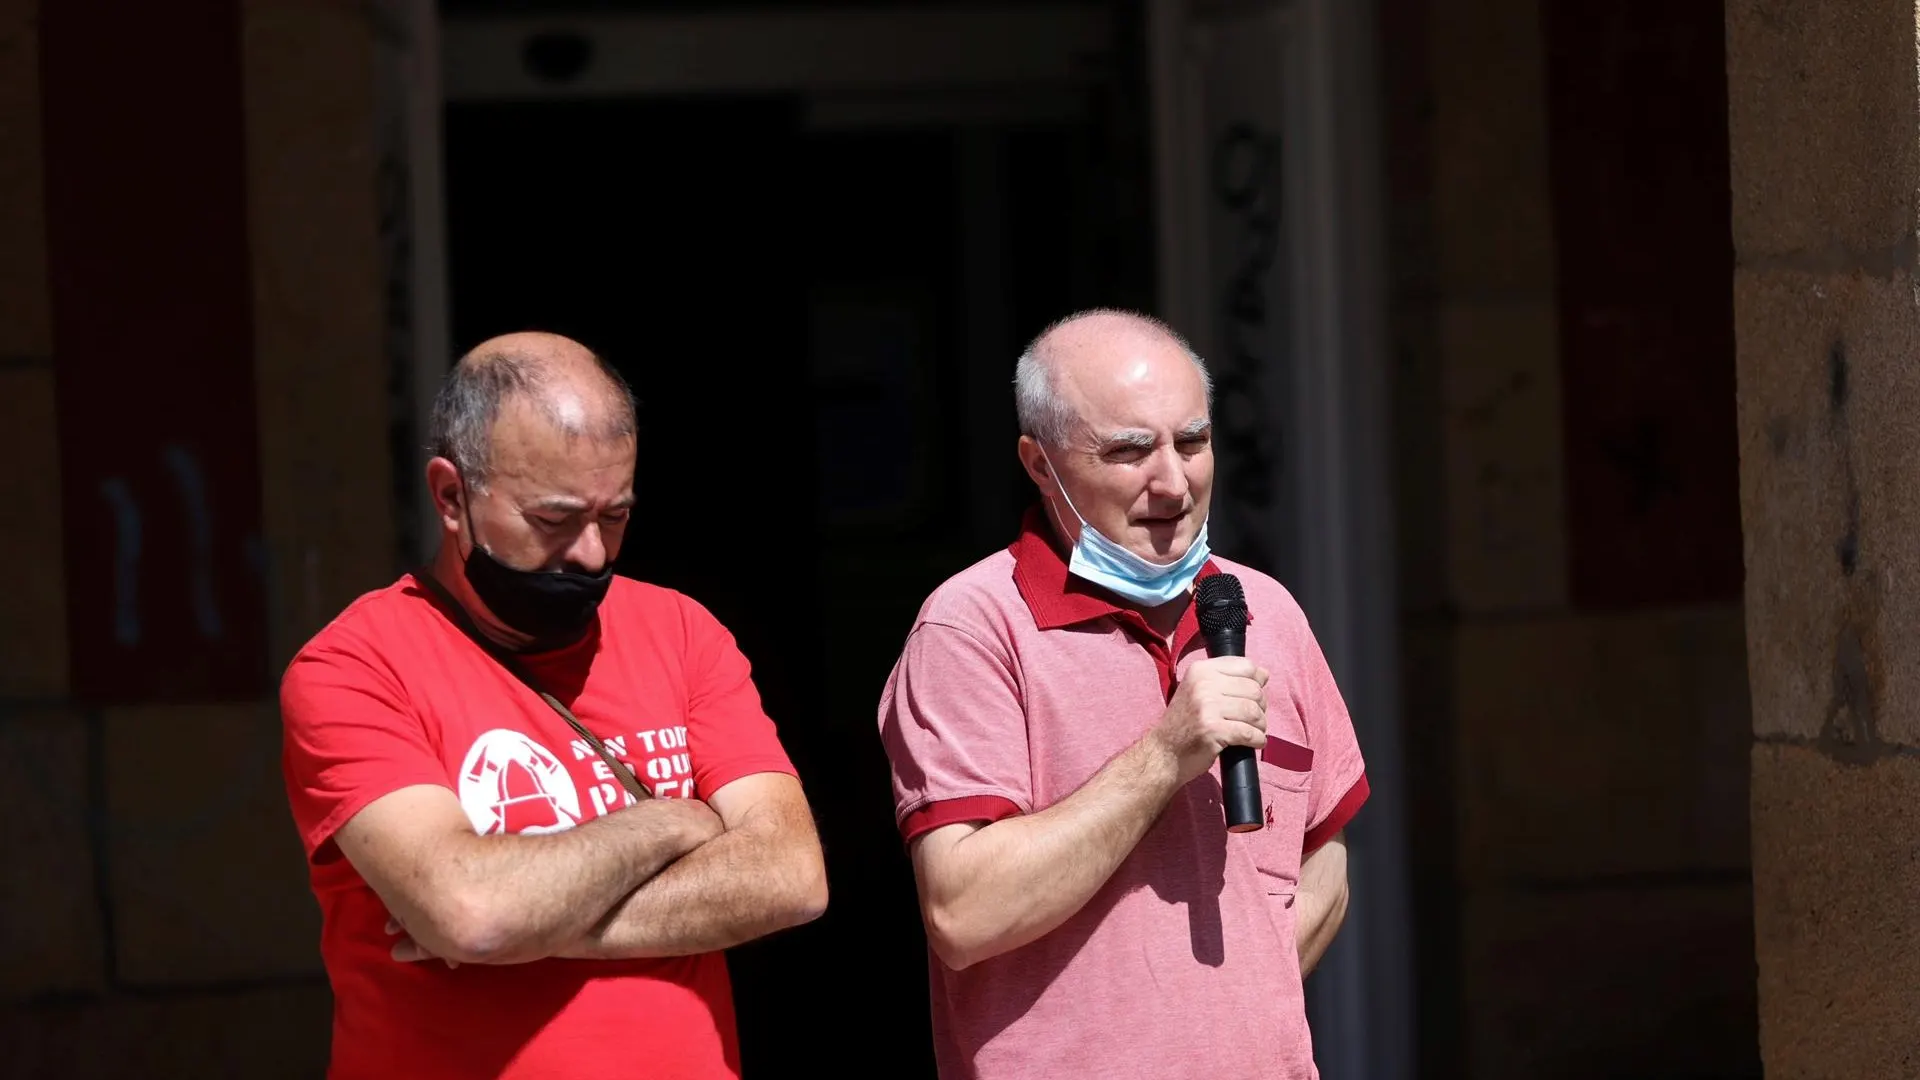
(1220, 603)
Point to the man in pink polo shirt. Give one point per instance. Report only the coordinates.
(1054, 724)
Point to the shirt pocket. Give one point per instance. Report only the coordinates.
(1286, 776)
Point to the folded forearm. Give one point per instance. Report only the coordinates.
(743, 884)
(520, 897)
(1021, 877)
(1320, 902)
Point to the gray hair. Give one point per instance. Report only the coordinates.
(473, 393)
(1044, 414)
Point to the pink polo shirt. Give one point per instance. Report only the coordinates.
(1016, 685)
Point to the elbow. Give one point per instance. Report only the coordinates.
(951, 954)
(956, 943)
(473, 928)
(808, 898)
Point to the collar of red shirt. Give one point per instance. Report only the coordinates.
(1057, 598)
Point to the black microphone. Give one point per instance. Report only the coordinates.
(1221, 606)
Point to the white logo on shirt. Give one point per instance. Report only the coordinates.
(511, 784)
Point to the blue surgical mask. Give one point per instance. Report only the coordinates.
(1099, 560)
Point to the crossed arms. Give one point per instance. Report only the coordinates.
(665, 877)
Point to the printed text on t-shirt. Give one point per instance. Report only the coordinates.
(667, 769)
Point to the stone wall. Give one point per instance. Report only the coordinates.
(156, 915)
(1578, 757)
(1825, 170)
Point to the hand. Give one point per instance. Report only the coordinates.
(697, 820)
(1222, 702)
(407, 950)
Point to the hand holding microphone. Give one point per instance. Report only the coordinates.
(1221, 607)
(1220, 709)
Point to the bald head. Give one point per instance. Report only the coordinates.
(1090, 353)
(532, 378)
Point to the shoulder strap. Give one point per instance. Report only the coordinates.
(506, 660)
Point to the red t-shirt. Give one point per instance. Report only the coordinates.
(393, 694)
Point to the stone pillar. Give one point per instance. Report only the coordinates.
(321, 360)
(155, 918)
(52, 940)
(1825, 169)
(1578, 763)
(33, 659)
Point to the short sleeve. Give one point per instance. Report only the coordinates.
(349, 737)
(955, 732)
(728, 731)
(1339, 784)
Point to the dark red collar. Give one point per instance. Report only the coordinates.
(1057, 598)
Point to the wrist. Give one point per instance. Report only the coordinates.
(1156, 764)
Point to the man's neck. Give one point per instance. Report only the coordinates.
(448, 569)
(1165, 619)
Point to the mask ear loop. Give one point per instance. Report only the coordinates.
(1061, 484)
(466, 504)
(473, 540)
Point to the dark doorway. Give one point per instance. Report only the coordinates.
(820, 323)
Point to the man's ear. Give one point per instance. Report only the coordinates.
(1039, 470)
(448, 493)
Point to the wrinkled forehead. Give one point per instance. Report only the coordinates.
(560, 445)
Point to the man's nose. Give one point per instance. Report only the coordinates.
(1165, 477)
(589, 549)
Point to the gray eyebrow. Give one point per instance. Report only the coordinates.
(566, 504)
(1133, 439)
(1140, 439)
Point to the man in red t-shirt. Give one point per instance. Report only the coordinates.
(504, 894)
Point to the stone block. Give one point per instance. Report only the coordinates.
(26, 316)
(1506, 536)
(33, 618)
(1605, 983)
(207, 878)
(313, 183)
(1493, 209)
(1821, 110)
(277, 1031)
(52, 939)
(1836, 880)
(1829, 422)
(1602, 745)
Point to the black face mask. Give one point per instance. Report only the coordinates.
(553, 607)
